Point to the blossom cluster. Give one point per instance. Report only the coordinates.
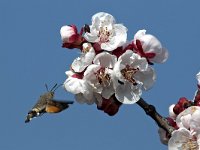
(110, 70)
(185, 118)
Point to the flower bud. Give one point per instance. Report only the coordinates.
(171, 111)
(150, 48)
(68, 34)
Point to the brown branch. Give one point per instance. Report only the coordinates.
(150, 110)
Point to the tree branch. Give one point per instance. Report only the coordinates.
(150, 110)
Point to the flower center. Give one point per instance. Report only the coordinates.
(104, 34)
(128, 73)
(103, 77)
(191, 144)
(86, 48)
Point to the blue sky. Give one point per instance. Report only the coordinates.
(31, 55)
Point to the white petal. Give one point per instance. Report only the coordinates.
(151, 44)
(109, 90)
(147, 77)
(196, 115)
(161, 57)
(77, 86)
(102, 17)
(185, 121)
(105, 59)
(139, 34)
(125, 57)
(80, 63)
(90, 77)
(69, 73)
(138, 62)
(134, 60)
(198, 78)
(118, 39)
(89, 74)
(117, 69)
(91, 37)
(128, 94)
(195, 121)
(74, 85)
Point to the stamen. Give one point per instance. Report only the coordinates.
(104, 34)
(191, 144)
(103, 77)
(86, 48)
(128, 73)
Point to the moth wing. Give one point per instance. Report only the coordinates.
(57, 106)
(63, 101)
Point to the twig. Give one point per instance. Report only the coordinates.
(150, 110)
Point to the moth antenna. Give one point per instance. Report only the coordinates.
(56, 87)
(46, 87)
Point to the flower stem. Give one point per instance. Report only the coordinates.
(150, 110)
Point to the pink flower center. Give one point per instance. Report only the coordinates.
(104, 34)
(128, 73)
(103, 77)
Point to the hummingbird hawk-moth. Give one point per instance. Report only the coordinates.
(46, 104)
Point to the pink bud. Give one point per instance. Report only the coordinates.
(68, 34)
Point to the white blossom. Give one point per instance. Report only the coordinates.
(134, 69)
(100, 74)
(133, 74)
(183, 139)
(189, 118)
(82, 90)
(105, 32)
